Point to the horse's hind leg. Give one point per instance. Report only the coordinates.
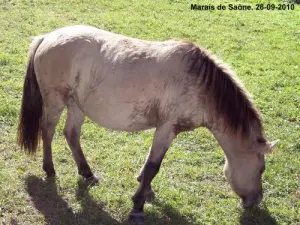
(72, 129)
(51, 114)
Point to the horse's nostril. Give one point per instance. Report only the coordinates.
(251, 200)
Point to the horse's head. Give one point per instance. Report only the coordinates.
(245, 164)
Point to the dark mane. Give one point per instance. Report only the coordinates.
(232, 102)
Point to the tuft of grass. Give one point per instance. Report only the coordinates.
(263, 47)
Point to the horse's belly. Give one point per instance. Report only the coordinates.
(115, 115)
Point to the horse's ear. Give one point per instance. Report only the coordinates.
(268, 146)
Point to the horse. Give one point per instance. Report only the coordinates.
(127, 84)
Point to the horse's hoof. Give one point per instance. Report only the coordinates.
(136, 218)
(150, 196)
(50, 172)
(85, 172)
(50, 179)
(92, 180)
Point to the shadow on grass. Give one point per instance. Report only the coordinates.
(257, 216)
(169, 215)
(56, 210)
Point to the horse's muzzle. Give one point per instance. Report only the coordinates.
(251, 200)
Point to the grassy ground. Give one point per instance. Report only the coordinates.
(264, 49)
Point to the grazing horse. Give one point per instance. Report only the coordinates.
(128, 84)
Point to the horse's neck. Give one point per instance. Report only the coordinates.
(233, 144)
(230, 143)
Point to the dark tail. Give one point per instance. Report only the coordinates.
(29, 129)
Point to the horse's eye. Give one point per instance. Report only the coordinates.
(261, 140)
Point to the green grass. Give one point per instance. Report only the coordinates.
(263, 47)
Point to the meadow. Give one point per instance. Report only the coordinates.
(262, 46)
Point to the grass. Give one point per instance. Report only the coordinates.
(263, 47)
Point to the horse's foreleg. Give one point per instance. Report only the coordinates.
(139, 178)
(72, 130)
(50, 119)
(150, 195)
(162, 140)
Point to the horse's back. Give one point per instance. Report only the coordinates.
(68, 51)
(68, 47)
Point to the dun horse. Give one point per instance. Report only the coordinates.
(128, 84)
